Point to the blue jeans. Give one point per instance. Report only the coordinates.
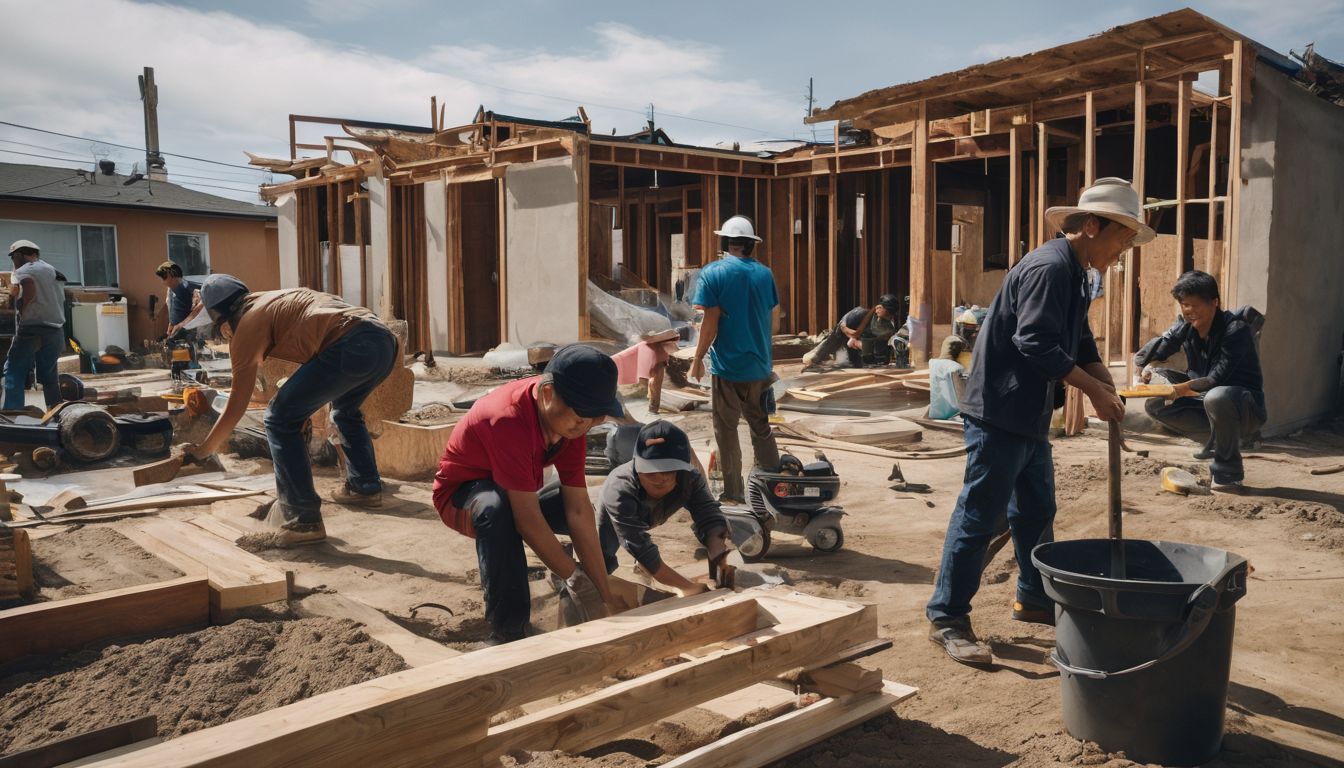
(34, 344)
(1006, 474)
(1220, 419)
(500, 554)
(343, 374)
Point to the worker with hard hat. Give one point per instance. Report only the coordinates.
(741, 306)
(343, 352)
(863, 333)
(36, 289)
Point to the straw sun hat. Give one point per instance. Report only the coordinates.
(1110, 198)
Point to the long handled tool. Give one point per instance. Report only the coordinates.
(1113, 501)
(171, 467)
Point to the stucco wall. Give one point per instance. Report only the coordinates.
(1291, 251)
(543, 267)
(240, 247)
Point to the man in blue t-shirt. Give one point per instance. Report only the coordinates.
(184, 296)
(741, 306)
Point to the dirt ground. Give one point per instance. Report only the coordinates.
(1284, 708)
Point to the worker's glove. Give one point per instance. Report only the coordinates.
(718, 543)
(583, 592)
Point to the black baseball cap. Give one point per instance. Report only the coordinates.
(661, 447)
(890, 303)
(585, 378)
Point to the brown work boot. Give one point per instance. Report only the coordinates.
(1044, 616)
(955, 637)
(351, 498)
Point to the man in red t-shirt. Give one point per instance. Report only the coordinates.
(489, 484)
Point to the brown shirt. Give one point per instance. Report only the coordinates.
(293, 324)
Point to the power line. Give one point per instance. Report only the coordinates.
(127, 146)
(39, 186)
(215, 186)
(48, 157)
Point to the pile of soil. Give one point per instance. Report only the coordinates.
(189, 681)
(1319, 525)
(1073, 481)
(92, 559)
(431, 414)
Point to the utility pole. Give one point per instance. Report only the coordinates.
(155, 168)
(809, 108)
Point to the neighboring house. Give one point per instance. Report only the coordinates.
(106, 235)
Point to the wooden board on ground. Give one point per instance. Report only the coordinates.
(880, 431)
(776, 739)
(80, 745)
(64, 625)
(16, 564)
(410, 451)
(238, 579)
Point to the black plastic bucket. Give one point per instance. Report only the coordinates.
(1144, 652)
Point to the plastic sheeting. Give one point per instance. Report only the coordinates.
(616, 319)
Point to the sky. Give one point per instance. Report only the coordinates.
(229, 73)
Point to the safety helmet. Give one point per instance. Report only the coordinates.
(968, 318)
(218, 292)
(738, 226)
(20, 244)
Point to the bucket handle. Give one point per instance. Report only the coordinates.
(1202, 604)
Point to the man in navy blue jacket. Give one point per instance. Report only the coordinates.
(1034, 337)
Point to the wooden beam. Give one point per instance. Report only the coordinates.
(427, 715)
(1209, 239)
(65, 625)
(1042, 166)
(502, 251)
(922, 224)
(807, 629)
(1232, 211)
(813, 325)
(1014, 196)
(1182, 166)
(84, 744)
(1132, 263)
(776, 739)
(832, 253)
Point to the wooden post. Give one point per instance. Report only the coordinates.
(1014, 196)
(922, 202)
(1182, 169)
(1132, 264)
(813, 326)
(581, 169)
(1042, 164)
(502, 249)
(1213, 189)
(1232, 210)
(884, 249)
(832, 260)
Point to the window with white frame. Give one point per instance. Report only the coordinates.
(85, 253)
(191, 252)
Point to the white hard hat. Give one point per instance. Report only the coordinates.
(23, 244)
(738, 226)
(218, 291)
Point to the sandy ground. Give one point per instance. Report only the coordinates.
(1284, 708)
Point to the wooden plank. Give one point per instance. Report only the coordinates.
(1014, 196)
(776, 739)
(1232, 211)
(161, 501)
(832, 255)
(1182, 166)
(843, 680)
(922, 204)
(425, 716)
(410, 451)
(1209, 250)
(1132, 256)
(806, 630)
(238, 579)
(64, 625)
(82, 745)
(1042, 165)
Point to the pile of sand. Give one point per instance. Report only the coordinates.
(189, 681)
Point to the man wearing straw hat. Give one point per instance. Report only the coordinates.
(1034, 338)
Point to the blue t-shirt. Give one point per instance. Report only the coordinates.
(179, 305)
(744, 291)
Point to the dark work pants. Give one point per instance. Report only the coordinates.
(1220, 420)
(343, 374)
(1006, 474)
(730, 401)
(33, 345)
(500, 553)
(831, 346)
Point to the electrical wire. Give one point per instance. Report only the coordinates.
(49, 157)
(39, 186)
(127, 146)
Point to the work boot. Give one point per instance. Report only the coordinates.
(351, 498)
(1044, 616)
(1204, 454)
(955, 637)
(298, 535)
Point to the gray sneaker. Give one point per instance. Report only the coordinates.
(1204, 454)
(961, 643)
(351, 498)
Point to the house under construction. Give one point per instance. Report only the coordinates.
(494, 231)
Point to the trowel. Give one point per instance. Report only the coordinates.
(169, 468)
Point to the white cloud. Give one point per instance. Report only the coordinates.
(227, 84)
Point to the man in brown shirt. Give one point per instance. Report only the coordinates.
(343, 352)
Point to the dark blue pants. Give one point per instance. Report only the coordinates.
(1220, 420)
(343, 374)
(1006, 474)
(39, 345)
(500, 553)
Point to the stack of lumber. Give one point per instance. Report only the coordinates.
(877, 431)
(871, 389)
(443, 713)
(16, 564)
(200, 490)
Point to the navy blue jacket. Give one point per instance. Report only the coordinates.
(1035, 333)
(1227, 358)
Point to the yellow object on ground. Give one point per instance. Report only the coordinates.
(1175, 480)
(1148, 390)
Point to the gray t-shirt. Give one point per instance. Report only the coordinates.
(47, 304)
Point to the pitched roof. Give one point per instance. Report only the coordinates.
(50, 184)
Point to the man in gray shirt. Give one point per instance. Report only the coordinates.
(37, 291)
(643, 493)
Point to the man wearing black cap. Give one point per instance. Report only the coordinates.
(642, 494)
(863, 333)
(489, 485)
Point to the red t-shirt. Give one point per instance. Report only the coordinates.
(500, 438)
